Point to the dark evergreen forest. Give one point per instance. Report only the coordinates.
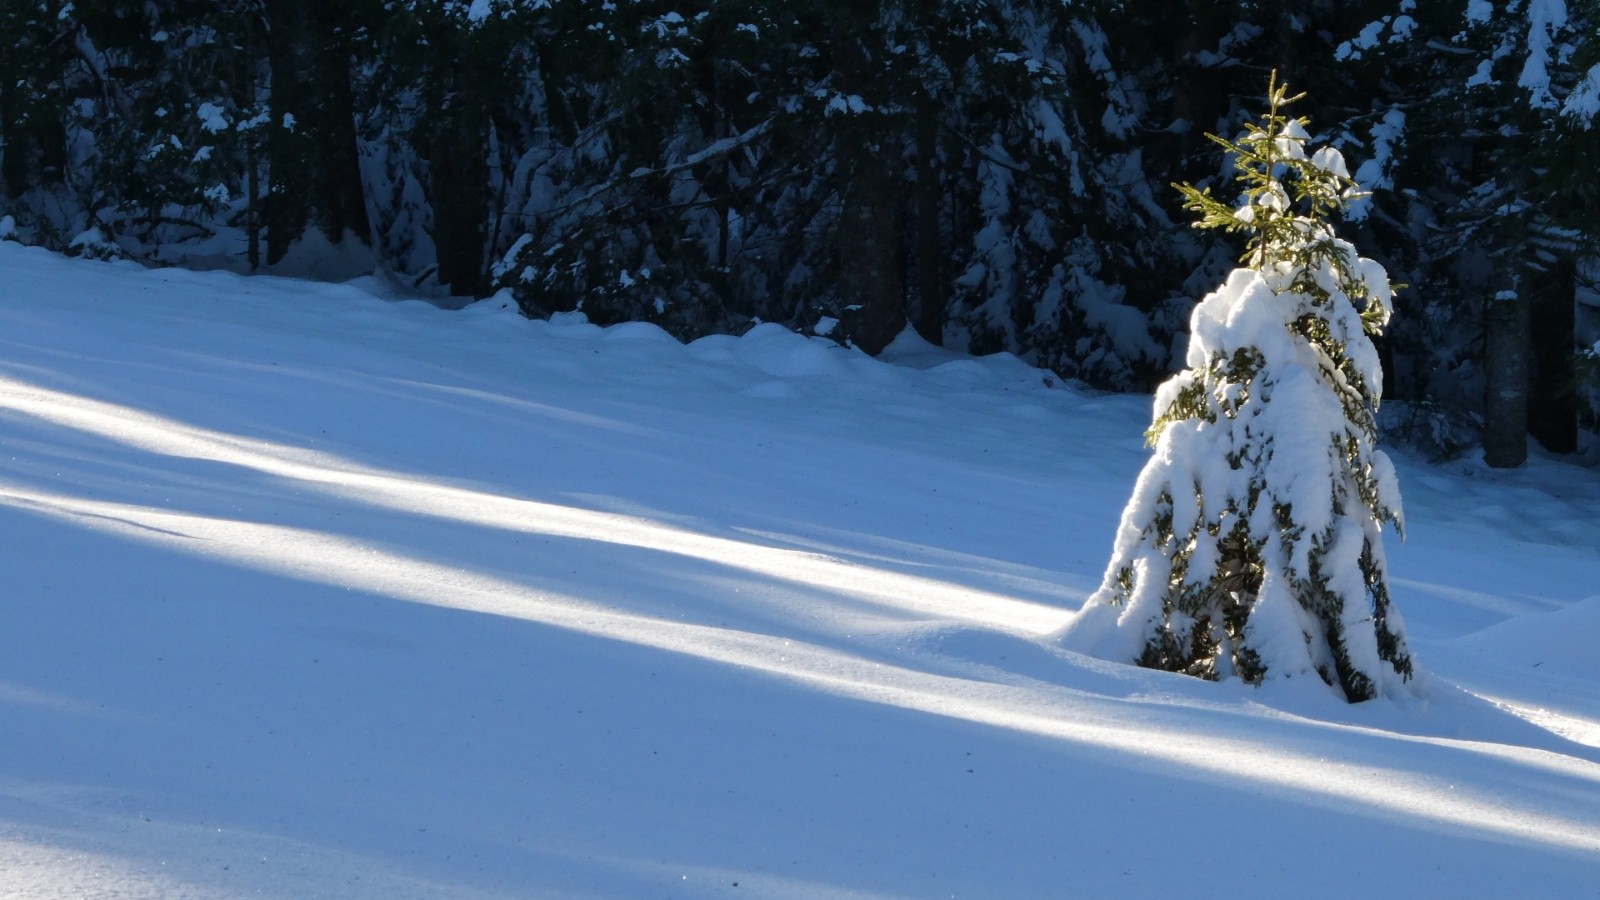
(996, 174)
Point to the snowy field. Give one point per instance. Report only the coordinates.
(311, 593)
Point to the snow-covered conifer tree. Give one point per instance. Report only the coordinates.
(1252, 544)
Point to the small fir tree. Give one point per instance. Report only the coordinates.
(1252, 544)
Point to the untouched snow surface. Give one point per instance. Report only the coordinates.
(308, 592)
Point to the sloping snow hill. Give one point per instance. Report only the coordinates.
(309, 592)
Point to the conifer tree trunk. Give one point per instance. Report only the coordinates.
(252, 218)
(930, 274)
(870, 276)
(459, 181)
(13, 171)
(31, 155)
(1553, 412)
(248, 98)
(314, 169)
(455, 141)
(1508, 358)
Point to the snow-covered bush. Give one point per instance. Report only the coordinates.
(1252, 545)
(92, 243)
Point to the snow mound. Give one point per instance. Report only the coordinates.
(773, 390)
(571, 325)
(1564, 641)
(639, 333)
(781, 353)
(715, 348)
(965, 372)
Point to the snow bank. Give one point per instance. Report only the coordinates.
(1564, 641)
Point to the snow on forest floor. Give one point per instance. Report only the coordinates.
(309, 592)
